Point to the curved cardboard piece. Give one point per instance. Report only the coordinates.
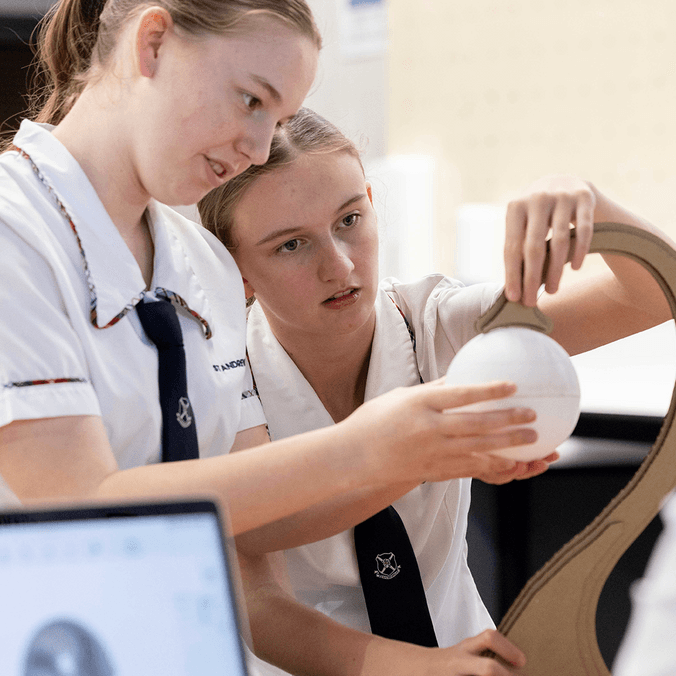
(553, 620)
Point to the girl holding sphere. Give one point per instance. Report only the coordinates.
(153, 103)
(324, 336)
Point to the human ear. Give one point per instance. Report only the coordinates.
(248, 289)
(369, 192)
(152, 32)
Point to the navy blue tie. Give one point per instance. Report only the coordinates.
(391, 582)
(179, 430)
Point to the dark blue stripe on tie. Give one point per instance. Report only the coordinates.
(390, 578)
(179, 429)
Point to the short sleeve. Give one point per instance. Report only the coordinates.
(43, 370)
(252, 410)
(442, 313)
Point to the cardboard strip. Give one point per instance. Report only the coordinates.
(553, 620)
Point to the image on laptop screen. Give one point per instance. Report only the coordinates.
(117, 592)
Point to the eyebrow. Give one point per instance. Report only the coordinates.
(285, 232)
(266, 85)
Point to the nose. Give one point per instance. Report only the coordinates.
(336, 263)
(256, 143)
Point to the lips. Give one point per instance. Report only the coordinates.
(343, 298)
(218, 168)
(219, 172)
(340, 294)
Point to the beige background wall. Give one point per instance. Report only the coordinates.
(501, 92)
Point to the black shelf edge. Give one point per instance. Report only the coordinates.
(618, 426)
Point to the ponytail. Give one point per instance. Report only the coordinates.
(66, 37)
(76, 36)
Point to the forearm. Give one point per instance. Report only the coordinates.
(608, 211)
(634, 287)
(263, 485)
(603, 303)
(400, 437)
(321, 521)
(69, 458)
(303, 641)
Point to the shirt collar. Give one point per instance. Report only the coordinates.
(291, 405)
(393, 360)
(112, 274)
(173, 274)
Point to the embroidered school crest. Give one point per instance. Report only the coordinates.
(184, 415)
(387, 566)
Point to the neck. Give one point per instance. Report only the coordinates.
(335, 367)
(94, 137)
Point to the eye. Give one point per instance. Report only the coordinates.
(350, 220)
(291, 245)
(251, 102)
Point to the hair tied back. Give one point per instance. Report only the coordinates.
(91, 10)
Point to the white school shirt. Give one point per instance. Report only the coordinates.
(441, 313)
(648, 648)
(55, 362)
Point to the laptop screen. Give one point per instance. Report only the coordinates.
(117, 591)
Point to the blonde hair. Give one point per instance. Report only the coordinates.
(76, 35)
(306, 133)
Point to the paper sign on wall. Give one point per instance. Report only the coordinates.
(363, 27)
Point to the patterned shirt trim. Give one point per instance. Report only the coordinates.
(411, 334)
(408, 326)
(175, 298)
(93, 314)
(50, 381)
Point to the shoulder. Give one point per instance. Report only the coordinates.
(420, 290)
(423, 299)
(19, 189)
(202, 247)
(442, 313)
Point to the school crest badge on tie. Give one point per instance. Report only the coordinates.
(184, 415)
(387, 566)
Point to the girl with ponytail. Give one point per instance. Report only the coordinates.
(143, 104)
(140, 104)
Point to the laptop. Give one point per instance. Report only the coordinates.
(117, 591)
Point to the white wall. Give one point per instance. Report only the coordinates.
(350, 90)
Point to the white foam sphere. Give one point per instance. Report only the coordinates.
(543, 373)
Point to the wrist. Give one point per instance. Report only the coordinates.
(360, 459)
(384, 657)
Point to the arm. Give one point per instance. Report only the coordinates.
(615, 302)
(334, 516)
(304, 641)
(70, 457)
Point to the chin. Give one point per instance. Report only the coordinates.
(182, 196)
